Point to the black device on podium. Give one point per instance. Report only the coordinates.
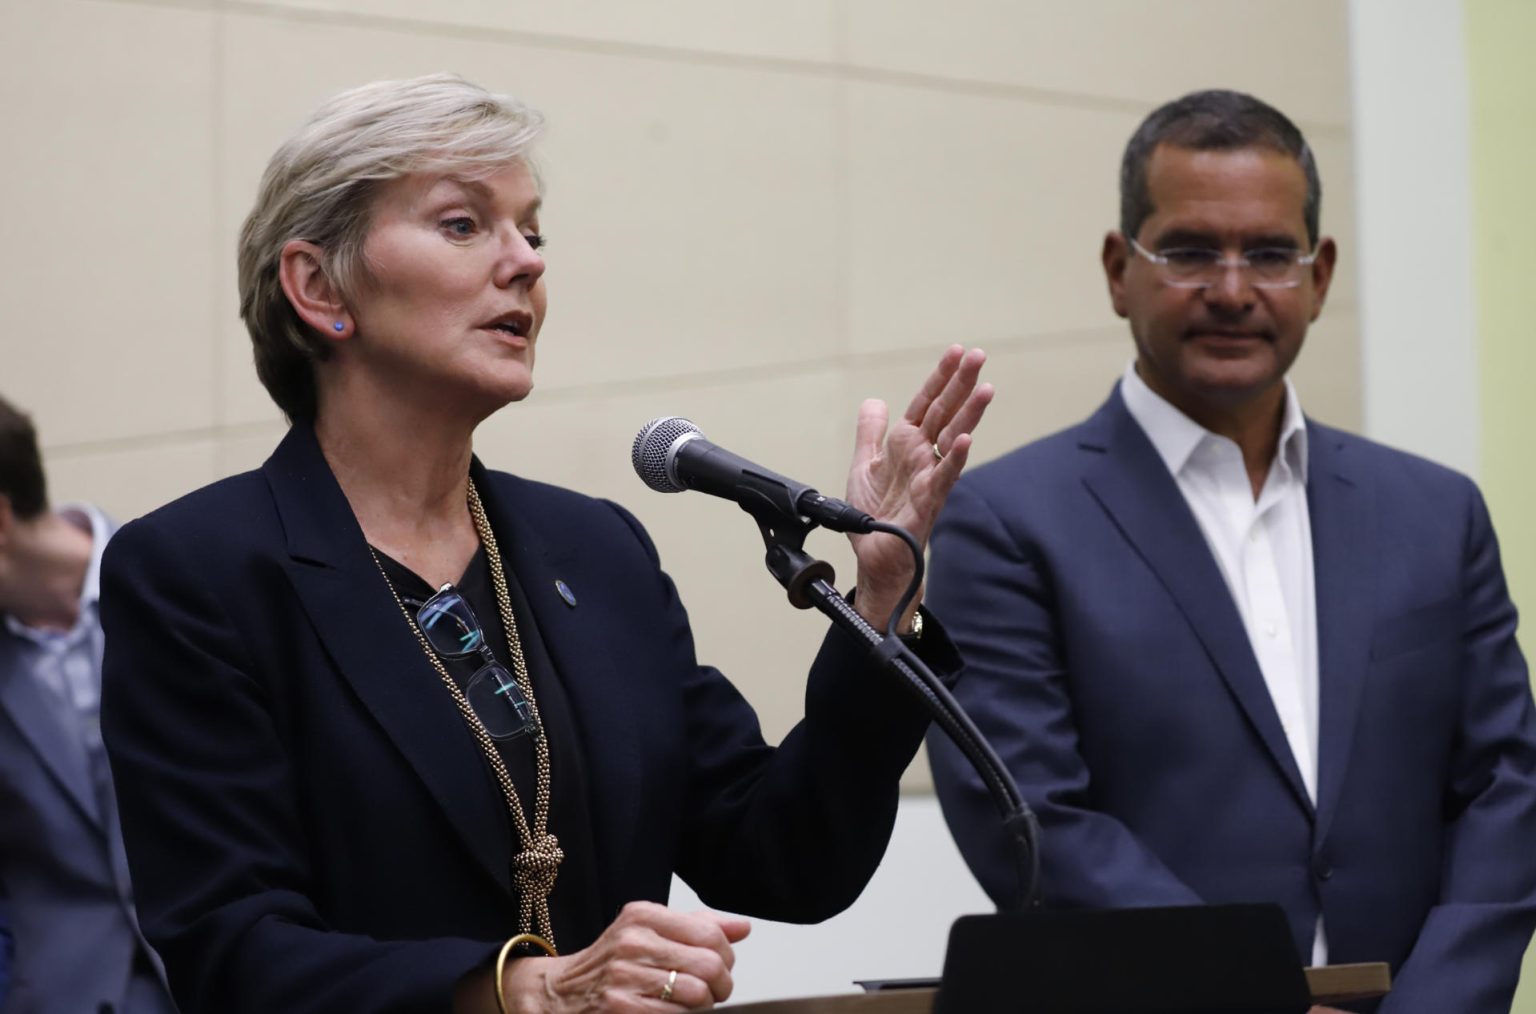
(1208, 959)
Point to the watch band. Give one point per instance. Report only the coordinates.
(916, 633)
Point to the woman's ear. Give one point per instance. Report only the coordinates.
(311, 292)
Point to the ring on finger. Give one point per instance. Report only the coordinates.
(938, 455)
(666, 991)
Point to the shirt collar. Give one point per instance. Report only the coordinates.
(1175, 436)
(1293, 435)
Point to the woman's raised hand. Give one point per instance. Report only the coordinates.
(904, 476)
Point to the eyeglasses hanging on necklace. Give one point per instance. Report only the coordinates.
(453, 630)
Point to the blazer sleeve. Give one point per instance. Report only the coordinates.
(993, 591)
(7, 952)
(205, 794)
(1468, 952)
(793, 832)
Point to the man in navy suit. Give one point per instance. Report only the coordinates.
(1231, 654)
(67, 896)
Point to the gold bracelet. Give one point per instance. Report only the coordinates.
(501, 963)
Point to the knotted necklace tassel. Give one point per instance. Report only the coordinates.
(534, 871)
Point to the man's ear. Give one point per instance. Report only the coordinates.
(312, 293)
(1322, 273)
(1115, 256)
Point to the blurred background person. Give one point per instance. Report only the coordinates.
(385, 719)
(1231, 654)
(77, 945)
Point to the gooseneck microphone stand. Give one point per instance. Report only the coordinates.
(809, 584)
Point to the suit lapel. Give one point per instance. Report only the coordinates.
(1344, 575)
(373, 647)
(58, 747)
(542, 551)
(1132, 484)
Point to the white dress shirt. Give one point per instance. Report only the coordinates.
(1263, 547)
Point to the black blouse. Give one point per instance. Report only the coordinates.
(575, 910)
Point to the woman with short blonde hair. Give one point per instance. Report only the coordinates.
(397, 732)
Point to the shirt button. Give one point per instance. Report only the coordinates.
(1253, 536)
(1270, 630)
(1323, 871)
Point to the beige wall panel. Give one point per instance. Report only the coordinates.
(131, 481)
(1042, 385)
(975, 218)
(243, 448)
(1327, 373)
(106, 322)
(1294, 55)
(980, 218)
(687, 222)
(242, 401)
(794, 29)
(801, 426)
(1049, 384)
(1336, 168)
(691, 223)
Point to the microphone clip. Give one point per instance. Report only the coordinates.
(784, 535)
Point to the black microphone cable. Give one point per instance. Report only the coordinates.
(1019, 822)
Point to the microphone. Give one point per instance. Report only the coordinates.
(670, 455)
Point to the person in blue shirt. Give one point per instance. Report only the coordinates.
(67, 898)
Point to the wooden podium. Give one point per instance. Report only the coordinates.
(1332, 984)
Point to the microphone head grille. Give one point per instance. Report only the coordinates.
(652, 451)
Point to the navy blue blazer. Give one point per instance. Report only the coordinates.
(1106, 661)
(310, 825)
(6, 946)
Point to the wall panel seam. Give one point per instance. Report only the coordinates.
(722, 59)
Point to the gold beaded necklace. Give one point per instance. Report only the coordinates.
(536, 866)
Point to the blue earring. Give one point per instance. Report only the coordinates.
(339, 326)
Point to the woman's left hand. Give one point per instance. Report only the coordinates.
(903, 477)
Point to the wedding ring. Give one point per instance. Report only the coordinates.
(666, 991)
(938, 455)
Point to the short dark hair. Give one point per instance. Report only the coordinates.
(21, 465)
(1212, 120)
